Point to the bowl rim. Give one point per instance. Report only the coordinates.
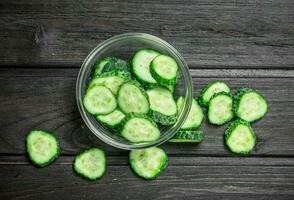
(187, 97)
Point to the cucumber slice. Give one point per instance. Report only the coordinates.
(112, 80)
(211, 89)
(148, 163)
(132, 98)
(90, 164)
(99, 100)
(195, 116)
(140, 66)
(42, 147)
(163, 108)
(110, 63)
(220, 108)
(139, 128)
(112, 119)
(240, 138)
(187, 136)
(164, 69)
(249, 105)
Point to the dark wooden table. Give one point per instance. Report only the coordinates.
(245, 43)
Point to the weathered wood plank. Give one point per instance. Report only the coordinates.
(45, 98)
(202, 179)
(223, 34)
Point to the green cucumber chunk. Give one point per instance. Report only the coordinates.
(195, 116)
(187, 136)
(112, 119)
(240, 138)
(140, 66)
(90, 164)
(139, 128)
(110, 63)
(211, 89)
(163, 108)
(42, 147)
(164, 69)
(148, 163)
(220, 108)
(99, 100)
(132, 98)
(249, 105)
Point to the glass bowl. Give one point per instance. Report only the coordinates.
(124, 46)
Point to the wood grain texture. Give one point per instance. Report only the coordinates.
(45, 98)
(202, 178)
(209, 33)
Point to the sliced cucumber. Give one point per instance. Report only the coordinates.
(195, 116)
(99, 100)
(42, 147)
(164, 69)
(240, 138)
(110, 63)
(132, 98)
(148, 163)
(90, 164)
(98, 68)
(189, 136)
(211, 89)
(220, 108)
(139, 128)
(163, 108)
(249, 105)
(112, 119)
(140, 66)
(112, 80)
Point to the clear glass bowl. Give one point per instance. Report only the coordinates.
(124, 46)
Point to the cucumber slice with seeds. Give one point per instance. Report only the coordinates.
(140, 66)
(112, 119)
(240, 138)
(220, 108)
(99, 100)
(211, 89)
(139, 128)
(112, 80)
(42, 147)
(164, 69)
(195, 116)
(187, 136)
(249, 105)
(163, 108)
(132, 98)
(148, 163)
(90, 164)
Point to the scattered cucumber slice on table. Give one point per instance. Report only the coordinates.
(42, 147)
(164, 69)
(112, 80)
(139, 128)
(90, 164)
(249, 105)
(112, 119)
(211, 89)
(110, 63)
(163, 108)
(99, 100)
(220, 108)
(148, 163)
(195, 116)
(187, 136)
(240, 138)
(132, 98)
(140, 66)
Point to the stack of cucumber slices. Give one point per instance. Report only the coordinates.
(136, 99)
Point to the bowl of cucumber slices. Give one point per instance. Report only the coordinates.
(134, 91)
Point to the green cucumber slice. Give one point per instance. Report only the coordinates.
(148, 163)
(90, 164)
(42, 147)
(187, 136)
(99, 100)
(109, 64)
(112, 119)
